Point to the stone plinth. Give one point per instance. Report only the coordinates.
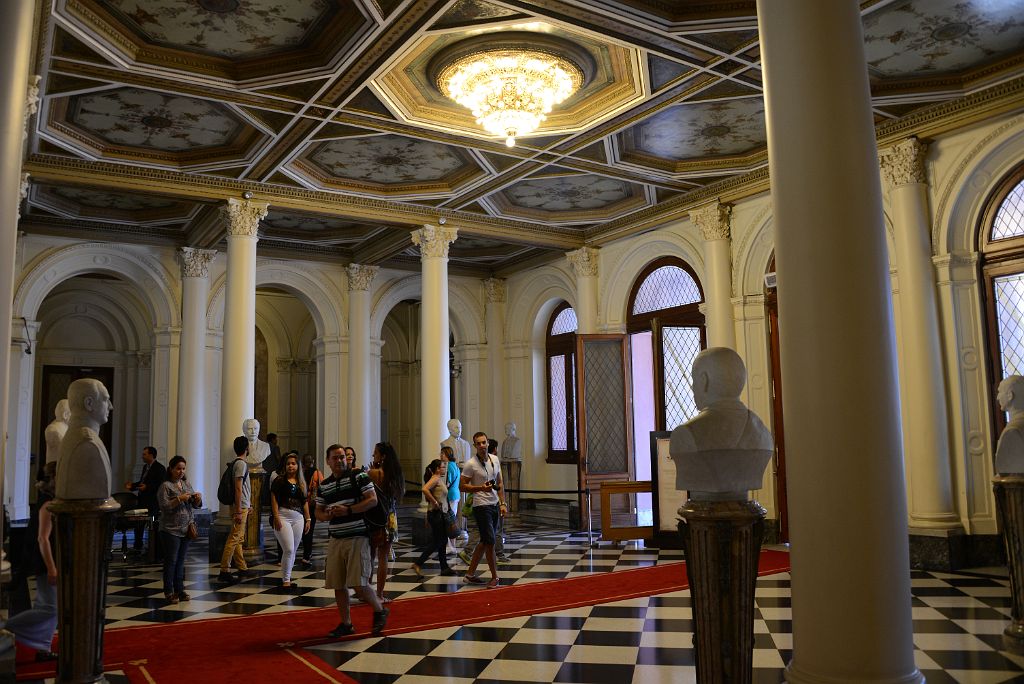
(1009, 491)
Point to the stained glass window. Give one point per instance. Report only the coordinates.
(681, 346)
(565, 322)
(1009, 300)
(666, 287)
(1009, 220)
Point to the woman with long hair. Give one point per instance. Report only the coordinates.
(289, 512)
(176, 499)
(436, 493)
(313, 479)
(386, 473)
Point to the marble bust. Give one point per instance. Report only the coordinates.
(459, 446)
(83, 469)
(56, 430)
(1010, 449)
(258, 449)
(512, 446)
(722, 452)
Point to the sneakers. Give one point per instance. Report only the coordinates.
(182, 596)
(343, 629)
(171, 599)
(502, 559)
(380, 620)
(225, 576)
(472, 579)
(245, 574)
(464, 556)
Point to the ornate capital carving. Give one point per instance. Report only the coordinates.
(285, 365)
(903, 163)
(243, 216)
(584, 261)
(496, 290)
(22, 192)
(31, 103)
(713, 220)
(195, 262)
(360, 276)
(144, 360)
(433, 241)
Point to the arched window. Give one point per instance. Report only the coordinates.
(664, 314)
(1002, 247)
(561, 375)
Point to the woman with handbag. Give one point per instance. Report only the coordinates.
(440, 516)
(382, 521)
(176, 499)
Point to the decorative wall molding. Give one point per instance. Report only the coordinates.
(496, 290)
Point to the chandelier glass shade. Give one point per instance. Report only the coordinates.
(510, 90)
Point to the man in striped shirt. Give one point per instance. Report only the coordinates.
(341, 501)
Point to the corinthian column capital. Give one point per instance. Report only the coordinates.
(195, 262)
(496, 290)
(360, 276)
(903, 163)
(244, 216)
(584, 261)
(433, 241)
(22, 192)
(713, 220)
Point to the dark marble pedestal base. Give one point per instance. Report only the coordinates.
(947, 551)
(1009, 491)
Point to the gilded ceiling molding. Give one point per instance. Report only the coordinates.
(195, 262)
(244, 216)
(903, 163)
(360, 277)
(433, 241)
(496, 290)
(714, 221)
(584, 261)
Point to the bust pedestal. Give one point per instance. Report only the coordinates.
(254, 549)
(1009, 491)
(85, 531)
(722, 541)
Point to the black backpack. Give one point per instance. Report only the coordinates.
(375, 518)
(226, 488)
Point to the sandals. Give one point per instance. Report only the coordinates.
(418, 570)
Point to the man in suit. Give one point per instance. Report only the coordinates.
(153, 474)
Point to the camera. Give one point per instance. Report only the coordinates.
(489, 483)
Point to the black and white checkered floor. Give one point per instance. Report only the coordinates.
(958, 620)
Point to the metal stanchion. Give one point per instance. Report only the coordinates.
(590, 524)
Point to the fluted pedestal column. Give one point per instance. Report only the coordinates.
(360, 278)
(85, 531)
(844, 461)
(435, 388)
(496, 294)
(722, 540)
(584, 264)
(1009, 491)
(713, 221)
(238, 365)
(926, 430)
(254, 548)
(195, 290)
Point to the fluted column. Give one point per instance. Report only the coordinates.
(191, 428)
(713, 220)
(435, 388)
(926, 432)
(584, 264)
(495, 330)
(359, 433)
(238, 381)
(847, 504)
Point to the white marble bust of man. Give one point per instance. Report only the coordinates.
(83, 469)
(55, 431)
(512, 446)
(459, 446)
(258, 449)
(1010, 449)
(722, 452)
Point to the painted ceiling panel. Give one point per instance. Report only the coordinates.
(700, 130)
(388, 159)
(568, 194)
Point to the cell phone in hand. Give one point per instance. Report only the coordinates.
(489, 484)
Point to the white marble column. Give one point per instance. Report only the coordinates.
(238, 381)
(435, 390)
(584, 264)
(360, 278)
(923, 386)
(713, 221)
(19, 419)
(496, 389)
(847, 504)
(16, 55)
(191, 426)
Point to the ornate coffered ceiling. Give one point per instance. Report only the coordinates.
(156, 111)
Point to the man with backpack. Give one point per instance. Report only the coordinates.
(235, 491)
(341, 501)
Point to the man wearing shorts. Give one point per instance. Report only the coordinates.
(341, 501)
(481, 475)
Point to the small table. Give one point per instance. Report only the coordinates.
(131, 520)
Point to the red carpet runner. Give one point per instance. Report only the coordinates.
(269, 648)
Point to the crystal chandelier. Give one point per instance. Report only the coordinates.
(510, 90)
